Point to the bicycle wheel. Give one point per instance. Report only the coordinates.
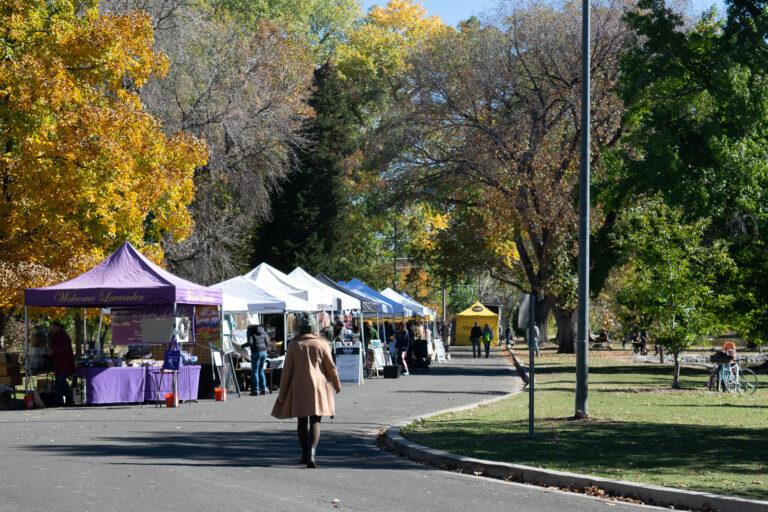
(730, 382)
(714, 380)
(747, 381)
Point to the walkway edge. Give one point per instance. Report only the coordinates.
(650, 494)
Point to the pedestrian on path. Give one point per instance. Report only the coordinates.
(475, 335)
(305, 386)
(535, 340)
(63, 363)
(487, 338)
(403, 341)
(258, 340)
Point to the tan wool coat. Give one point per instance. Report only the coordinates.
(308, 373)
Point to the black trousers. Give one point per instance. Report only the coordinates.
(475, 347)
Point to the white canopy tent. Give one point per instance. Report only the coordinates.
(427, 310)
(263, 301)
(342, 301)
(233, 305)
(276, 283)
(417, 309)
(257, 300)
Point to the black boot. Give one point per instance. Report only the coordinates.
(311, 463)
(303, 441)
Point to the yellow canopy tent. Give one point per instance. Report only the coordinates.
(467, 318)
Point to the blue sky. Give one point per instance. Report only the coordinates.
(453, 11)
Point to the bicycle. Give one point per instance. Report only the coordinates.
(731, 377)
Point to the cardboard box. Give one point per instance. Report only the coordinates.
(11, 381)
(9, 370)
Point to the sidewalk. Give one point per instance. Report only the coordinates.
(210, 455)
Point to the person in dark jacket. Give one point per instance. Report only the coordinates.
(258, 340)
(63, 363)
(389, 331)
(403, 343)
(474, 337)
(508, 335)
(338, 331)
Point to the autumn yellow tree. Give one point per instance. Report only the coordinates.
(376, 53)
(83, 166)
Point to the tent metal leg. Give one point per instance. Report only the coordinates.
(285, 332)
(98, 334)
(26, 351)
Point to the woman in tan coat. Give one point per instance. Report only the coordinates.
(305, 386)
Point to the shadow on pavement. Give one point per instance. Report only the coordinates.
(227, 449)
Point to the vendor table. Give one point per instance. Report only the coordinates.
(136, 384)
(189, 379)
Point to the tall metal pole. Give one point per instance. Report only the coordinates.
(444, 305)
(582, 363)
(531, 378)
(27, 374)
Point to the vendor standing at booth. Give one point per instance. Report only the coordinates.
(63, 363)
(258, 340)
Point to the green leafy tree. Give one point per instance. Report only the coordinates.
(696, 100)
(673, 276)
(323, 24)
(307, 212)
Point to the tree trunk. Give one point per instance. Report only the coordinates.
(566, 330)
(543, 308)
(661, 354)
(676, 380)
(3, 324)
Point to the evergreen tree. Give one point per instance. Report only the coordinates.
(307, 212)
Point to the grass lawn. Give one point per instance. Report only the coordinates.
(639, 428)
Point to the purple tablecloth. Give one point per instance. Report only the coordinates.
(136, 384)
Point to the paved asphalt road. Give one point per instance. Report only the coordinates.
(233, 456)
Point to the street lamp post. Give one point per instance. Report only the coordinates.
(582, 363)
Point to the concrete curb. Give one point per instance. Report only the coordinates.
(649, 494)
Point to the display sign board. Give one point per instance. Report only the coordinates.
(378, 353)
(349, 363)
(172, 360)
(522, 312)
(207, 325)
(378, 357)
(183, 329)
(439, 351)
(152, 324)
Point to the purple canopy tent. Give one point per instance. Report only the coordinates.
(125, 279)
